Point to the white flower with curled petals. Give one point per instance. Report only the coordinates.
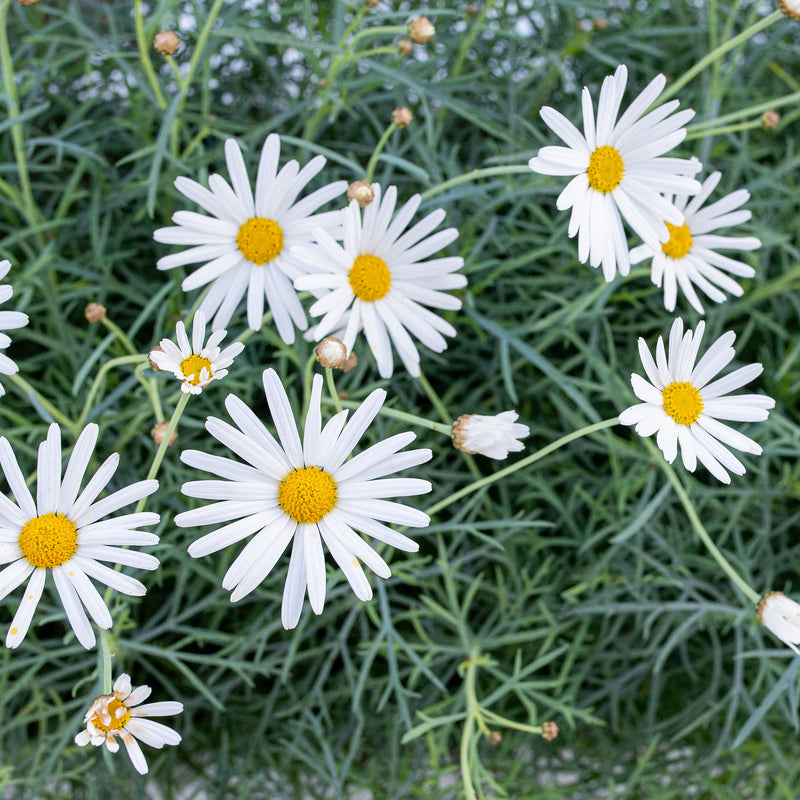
(246, 245)
(121, 714)
(683, 406)
(198, 363)
(381, 278)
(8, 321)
(63, 532)
(492, 436)
(305, 492)
(690, 257)
(620, 172)
(781, 615)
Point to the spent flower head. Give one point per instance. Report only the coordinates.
(305, 492)
(121, 714)
(781, 615)
(492, 436)
(684, 405)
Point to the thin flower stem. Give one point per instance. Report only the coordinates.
(120, 334)
(719, 51)
(331, 384)
(107, 656)
(144, 56)
(470, 668)
(406, 417)
(521, 464)
(374, 51)
(245, 335)
(686, 502)
(199, 46)
(373, 159)
(101, 373)
(31, 393)
(475, 175)
(741, 126)
(162, 448)
(699, 128)
(378, 30)
(469, 40)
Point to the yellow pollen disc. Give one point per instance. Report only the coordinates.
(116, 722)
(193, 366)
(48, 541)
(680, 241)
(260, 240)
(369, 278)
(605, 169)
(307, 494)
(682, 402)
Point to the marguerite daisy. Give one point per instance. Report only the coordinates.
(195, 365)
(381, 276)
(121, 714)
(780, 614)
(682, 407)
(306, 492)
(690, 257)
(619, 171)
(63, 533)
(493, 437)
(8, 320)
(246, 245)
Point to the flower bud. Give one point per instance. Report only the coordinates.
(402, 117)
(770, 120)
(160, 431)
(27, 2)
(599, 24)
(420, 30)
(471, 9)
(331, 352)
(351, 363)
(362, 192)
(94, 312)
(167, 43)
(404, 47)
(790, 8)
(371, 3)
(495, 737)
(549, 731)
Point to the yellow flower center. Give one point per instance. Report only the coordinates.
(680, 241)
(682, 402)
(605, 169)
(369, 278)
(117, 721)
(191, 368)
(307, 494)
(260, 240)
(49, 540)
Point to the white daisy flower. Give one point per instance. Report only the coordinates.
(619, 171)
(682, 407)
(381, 276)
(304, 492)
(195, 364)
(492, 436)
(246, 245)
(63, 533)
(8, 321)
(690, 257)
(780, 614)
(121, 714)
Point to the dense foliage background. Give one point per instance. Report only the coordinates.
(574, 591)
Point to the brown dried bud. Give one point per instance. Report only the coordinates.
(153, 364)
(420, 30)
(599, 24)
(402, 117)
(323, 83)
(94, 312)
(160, 431)
(27, 2)
(404, 47)
(549, 731)
(331, 352)
(790, 8)
(471, 9)
(495, 737)
(351, 363)
(770, 120)
(167, 43)
(362, 192)
(371, 3)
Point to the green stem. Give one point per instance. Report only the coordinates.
(121, 335)
(331, 384)
(525, 462)
(759, 109)
(144, 56)
(741, 126)
(162, 448)
(107, 655)
(30, 392)
(17, 134)
(470, 666)
(474, 175)
(378, 30)
(101, 373)
(406, 417)
(373, 159)
(469, 39)
(686, 502)
(711, 57)
(199, 46)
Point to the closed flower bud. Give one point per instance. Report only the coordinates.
(404, 47)
(94, 312)
(549, 731)
(420, 30)
(351, 363)
(331, 352)
(402, 117)
(790, 8)
(371, 3)
(770, 120)
(362, 192)
(160, 431)
(167, 43)
(494, 437)
(780, 614)
(495, 737)
(27, 2)
(471, 9)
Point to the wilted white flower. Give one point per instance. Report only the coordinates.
(8, 321)
(120, 714)
(682, 406)
(493, 436)
(195, 365)
(780, 614)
